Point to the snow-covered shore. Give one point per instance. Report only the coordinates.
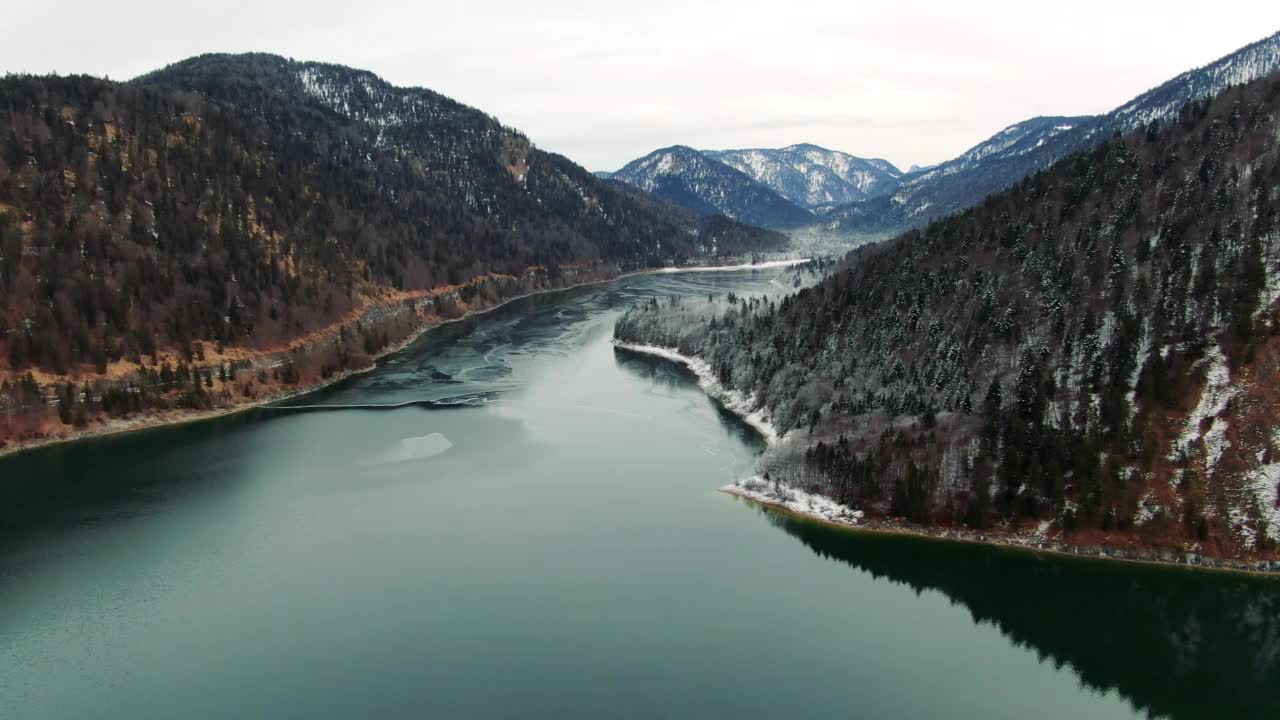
(818, 506)
(725, 268)
(736, 401)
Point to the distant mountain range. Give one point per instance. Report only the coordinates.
(691, 179)
(853, 196)
(780, 188)
(813, 176)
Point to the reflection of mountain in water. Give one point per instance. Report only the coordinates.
(1177, 643)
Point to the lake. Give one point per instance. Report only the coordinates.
(509, 518)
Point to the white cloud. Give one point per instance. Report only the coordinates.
(914, 82)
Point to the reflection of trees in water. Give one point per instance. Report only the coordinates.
(1177, 643)
(47, 490)
(675, 376)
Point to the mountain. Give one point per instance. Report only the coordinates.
(781, 188)
(1253, 61)
(690, 179)
(234, 205)
(992, 165)
(1089, 357)
(1025, 147)
(463, 149)
(812, 176)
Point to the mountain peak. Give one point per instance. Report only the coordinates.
(802, 147)
(813, 176)
(695, 180)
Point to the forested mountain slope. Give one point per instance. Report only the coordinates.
(245, 202)
(705, 185)
(1097, 348)
(1025, 147)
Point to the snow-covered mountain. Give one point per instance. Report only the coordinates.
(987, 167)
(1026, 147)
(1163, 102)
(813, 176)
(686, 177)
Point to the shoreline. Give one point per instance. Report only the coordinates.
(179, 417)
(766, 265)
(735, 401)
(821, 509)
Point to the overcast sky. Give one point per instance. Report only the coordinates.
(603, 83)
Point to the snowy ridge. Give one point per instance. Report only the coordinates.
(1023, 148)
(735, 401)
(1016, 140)
(813, 176)
(1161, 103)
(362, 96)
(707, 186)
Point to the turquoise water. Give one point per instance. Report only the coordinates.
(537, 533)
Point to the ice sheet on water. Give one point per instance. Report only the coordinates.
(417, 448)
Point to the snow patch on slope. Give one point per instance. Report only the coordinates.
(1218, 391)
(1264, 483)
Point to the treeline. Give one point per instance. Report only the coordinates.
(1039, 356)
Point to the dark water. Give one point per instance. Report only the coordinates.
(533, 530)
